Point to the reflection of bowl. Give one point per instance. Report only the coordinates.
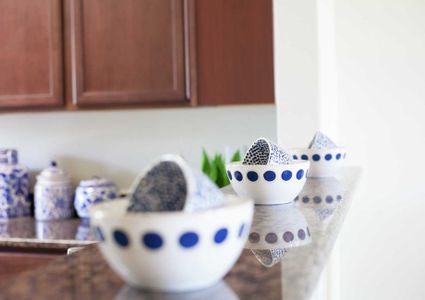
(269, 257)
(218, 291)
(268, 184)
(323, 162)
(172, 251)
(322, 195)
(278, 227)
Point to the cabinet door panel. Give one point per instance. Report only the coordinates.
(127, 51)
(30, 53)
(234, 51)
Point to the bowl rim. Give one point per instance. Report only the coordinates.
(298, 149)
(294, 165)
(104, 211)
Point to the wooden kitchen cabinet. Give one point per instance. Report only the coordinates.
(79, 54)
(125, 52)
(234, 51)
(30, 53)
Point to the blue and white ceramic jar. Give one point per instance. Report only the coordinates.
(53, 195)
(14, 185)
(93, 191)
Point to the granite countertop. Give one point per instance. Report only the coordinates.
(292, 273)
(26, 232)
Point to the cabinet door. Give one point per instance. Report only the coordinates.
(234, 51)
(125, 52)
(30, 53)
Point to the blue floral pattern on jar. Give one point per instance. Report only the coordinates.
(14, 190)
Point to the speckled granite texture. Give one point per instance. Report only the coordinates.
(27, 232)
(85, 274)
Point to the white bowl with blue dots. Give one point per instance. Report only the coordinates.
(268, 184)
(172, 251)
(324, 162)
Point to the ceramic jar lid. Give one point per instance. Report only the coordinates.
(8, 156)
(53, 175)
(95, 182)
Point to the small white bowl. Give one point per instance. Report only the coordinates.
(323, 162)
(268, 184)
(172, 251)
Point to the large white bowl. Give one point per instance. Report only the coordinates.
(268, 184)
(172, 251)
(323, 162)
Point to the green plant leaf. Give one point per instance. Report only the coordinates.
(205, 163)
(236, 156)
(213, 174)
(224, 181)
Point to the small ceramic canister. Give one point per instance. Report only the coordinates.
(53, 194)
(14, 186)
(92, 191)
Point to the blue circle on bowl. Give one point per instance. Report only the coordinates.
(189, 239)
(295, 157)
(238, 176)
(269, 175)
(229, 174)
(328, 156)
(220, 236)
(300, 174)
(252, 176)
(338, 156)
(316, 157)
(304, 157)
(121, 238)
(99, 234)
(329, 199)
(152, 240)
(286, 175)
(241, 230)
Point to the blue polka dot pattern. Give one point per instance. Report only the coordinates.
(238, 176)
(304, 157)
(99, 234)
(121, 238)
(252, 176)
(241, 230)
(295, 157)
(220, 235)
(328, 156)
(316, 157)
(286, 175)
(189, 239)
(269, 175)
(300, 174)
(229, 174)
(152, 240)
(338, 156)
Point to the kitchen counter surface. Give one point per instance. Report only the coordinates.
(322, 206)
(26, 232)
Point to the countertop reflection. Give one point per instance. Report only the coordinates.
(27, 232)
(285, 254)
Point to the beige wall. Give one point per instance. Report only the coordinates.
(118, 144)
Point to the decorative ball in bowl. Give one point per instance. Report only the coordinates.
(324, 162)
(268, 184)
(172, 251)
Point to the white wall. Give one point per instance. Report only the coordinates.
(380, 62)
(118, 144)
(381, 65)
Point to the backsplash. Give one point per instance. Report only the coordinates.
(118, 144)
